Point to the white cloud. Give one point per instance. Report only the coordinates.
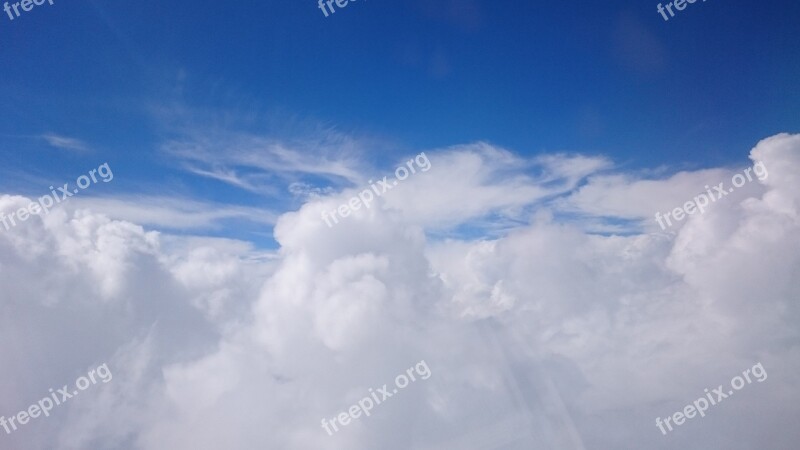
(257, 163)
(544, 336)
(66, 143)
(172, 213)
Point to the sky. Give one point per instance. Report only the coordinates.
(524, 260)
(616, 80)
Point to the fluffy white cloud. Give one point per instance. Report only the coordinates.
(540, 335)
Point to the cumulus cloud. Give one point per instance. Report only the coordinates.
(543, 334)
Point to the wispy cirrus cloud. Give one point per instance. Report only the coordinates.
(266, 157)
(66, 143)
(253, 162)
(247, 182)
(175, 213)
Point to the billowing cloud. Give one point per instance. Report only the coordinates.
(541, 335)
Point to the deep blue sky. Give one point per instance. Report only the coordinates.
(606, 77)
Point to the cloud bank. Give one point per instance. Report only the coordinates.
(539, 330)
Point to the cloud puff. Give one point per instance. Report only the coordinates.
(542, 335)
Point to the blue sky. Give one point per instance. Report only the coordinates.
(610, 78)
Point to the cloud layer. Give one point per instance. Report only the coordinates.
(538, 330)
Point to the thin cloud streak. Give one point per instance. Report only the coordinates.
(66, 143)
